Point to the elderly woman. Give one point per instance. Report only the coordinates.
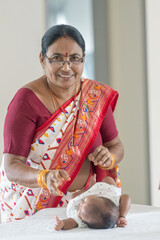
(59, 130)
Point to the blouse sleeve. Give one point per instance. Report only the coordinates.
(19, 126)
(108, 128)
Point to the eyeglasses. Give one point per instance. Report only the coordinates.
(58, 60)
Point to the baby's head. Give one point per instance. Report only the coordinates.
(98, 212)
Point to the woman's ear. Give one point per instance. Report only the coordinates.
(41, 58)
(84, 55)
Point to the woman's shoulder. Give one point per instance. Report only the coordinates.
(29, 90)
(96, 82)
(36, 85)
(26, 94)
(23, 95)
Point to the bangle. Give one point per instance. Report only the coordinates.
(43, 174)
(111, 166)
(122, 217)
(112, 163)
(41, 178)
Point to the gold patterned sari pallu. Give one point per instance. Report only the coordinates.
(80, 135)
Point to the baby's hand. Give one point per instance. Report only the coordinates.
(59, 224)
(121, 222)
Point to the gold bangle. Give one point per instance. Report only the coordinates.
(111, 166)
(41, 178)
(112, 163)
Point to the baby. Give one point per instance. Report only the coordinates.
(100, 207)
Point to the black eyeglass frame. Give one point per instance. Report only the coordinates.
(63, 62)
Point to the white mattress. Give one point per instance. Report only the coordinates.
(143, 224)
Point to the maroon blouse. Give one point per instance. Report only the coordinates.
(26, 113)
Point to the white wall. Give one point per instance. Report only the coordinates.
(65, 12)
(125, 23)
(153, 66)
(22, 25)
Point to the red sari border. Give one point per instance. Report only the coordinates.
(107, 96)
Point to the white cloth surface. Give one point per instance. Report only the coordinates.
(143, 224)
(100, 189)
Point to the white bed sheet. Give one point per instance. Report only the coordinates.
(143, 224)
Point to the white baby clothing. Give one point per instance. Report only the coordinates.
(100, 189)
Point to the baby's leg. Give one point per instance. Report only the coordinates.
(92, 180)
(110, 181)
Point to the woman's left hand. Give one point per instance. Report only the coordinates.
(101, 156)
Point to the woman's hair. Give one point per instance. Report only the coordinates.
(58, 31)
(104, 218)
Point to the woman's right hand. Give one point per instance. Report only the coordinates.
(21, 173)
(54, 179)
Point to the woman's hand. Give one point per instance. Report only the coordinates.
(101, 156)
(54, 179)
(19, 172)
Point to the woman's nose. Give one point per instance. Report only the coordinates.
(66, 66)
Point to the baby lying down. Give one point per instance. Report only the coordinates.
(100, 207)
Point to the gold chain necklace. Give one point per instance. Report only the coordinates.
(55, 98)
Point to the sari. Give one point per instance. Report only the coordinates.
(61, 143)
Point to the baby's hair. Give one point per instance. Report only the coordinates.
(106, 218)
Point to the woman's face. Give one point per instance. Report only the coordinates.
(63, 75)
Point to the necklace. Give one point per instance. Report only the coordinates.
(55, 98)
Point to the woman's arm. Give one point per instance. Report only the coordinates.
(19, 172)
(103, 154)
(115, 147)
(111, 143)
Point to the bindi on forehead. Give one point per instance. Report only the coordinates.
(66, 55)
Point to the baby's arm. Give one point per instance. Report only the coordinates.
(65, 224)
(125, 203)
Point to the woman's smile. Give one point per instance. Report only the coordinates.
(65, 76)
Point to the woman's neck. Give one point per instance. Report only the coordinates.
(63, 94)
